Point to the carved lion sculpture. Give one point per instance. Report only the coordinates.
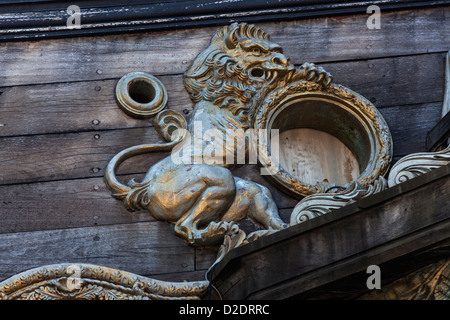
(226, 82)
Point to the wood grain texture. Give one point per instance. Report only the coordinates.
(314, 156)
(71, 155)
(75, 106)
(144, 248)
(41, 19)
(62, 204)
(312, 40)
(409, 125)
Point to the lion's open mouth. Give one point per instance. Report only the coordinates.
(272, 73)
(269, 76)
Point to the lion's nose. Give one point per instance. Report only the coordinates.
(281, 60)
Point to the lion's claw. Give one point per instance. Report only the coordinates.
(316, 74)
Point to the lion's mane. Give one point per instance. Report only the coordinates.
(216, 76)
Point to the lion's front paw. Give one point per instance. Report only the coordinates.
(316, 74)
(214, 233)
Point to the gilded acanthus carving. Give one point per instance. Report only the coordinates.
(417, 164)
(92, 282)
(318, 204)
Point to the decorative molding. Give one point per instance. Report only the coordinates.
(141, 95)
(417, 164)
(40, 19)
(319, 204)
(92, 282)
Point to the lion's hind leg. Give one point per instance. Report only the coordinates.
(214, 193)
(264, 210)
(255, 202)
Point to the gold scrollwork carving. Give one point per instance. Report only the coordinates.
(431, 282)
(416, 164)
(92, 282)
(318, 204)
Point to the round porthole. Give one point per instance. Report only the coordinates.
(327, 137)
(141, 95)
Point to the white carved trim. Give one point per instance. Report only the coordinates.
(82, 281)
(416, 164)
(319, 204)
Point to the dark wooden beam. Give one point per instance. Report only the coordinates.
(439, 135)
(398, 223)
(28, 20)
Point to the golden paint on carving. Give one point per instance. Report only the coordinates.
(234, 83)
(140, 94)
(362, 128)
(318, 204)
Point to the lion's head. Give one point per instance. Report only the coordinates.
(240, 66)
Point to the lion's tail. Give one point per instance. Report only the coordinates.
(166, 123)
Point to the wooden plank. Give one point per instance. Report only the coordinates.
(393, 81)
(286, 263)
(62, 204)
(314, 156)
(36, 20)
(71, 155)
(410, 124)
(144, 248)
(76, 203)
(75, 106)
(318, 40)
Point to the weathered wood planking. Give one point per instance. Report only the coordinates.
(71, 155)
(62, 204)
(313, 156)
(314, 40)
(74, 106)
(144, 248)
(409, 125)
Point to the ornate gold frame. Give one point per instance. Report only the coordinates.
(352, 118)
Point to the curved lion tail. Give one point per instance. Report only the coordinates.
(167, 123)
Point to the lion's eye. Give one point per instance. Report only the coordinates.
(256, 50)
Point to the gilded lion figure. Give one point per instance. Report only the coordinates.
(226, 82)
